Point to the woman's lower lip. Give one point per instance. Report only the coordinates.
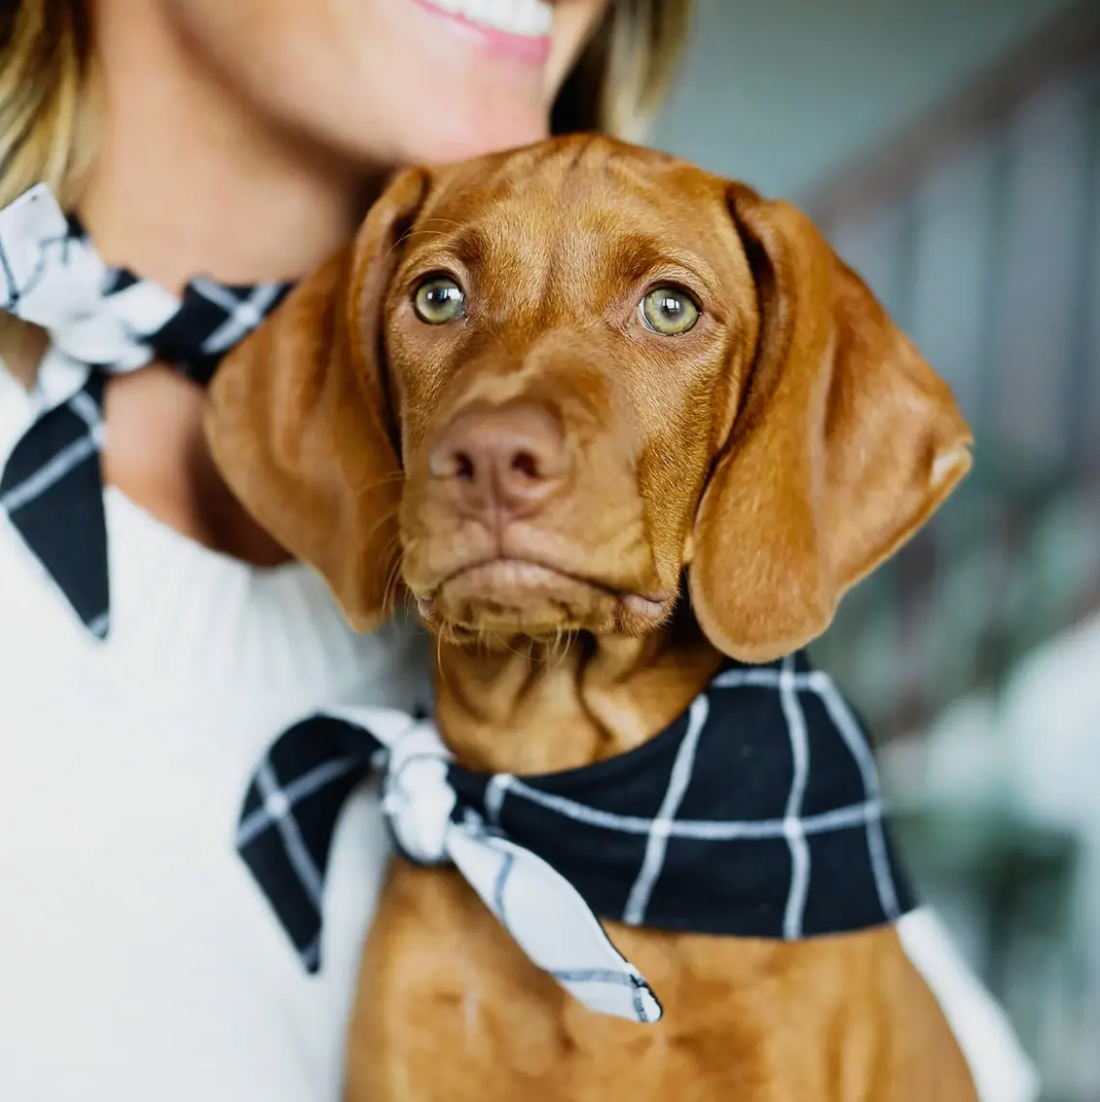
(527, 48)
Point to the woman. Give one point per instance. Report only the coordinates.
(152, 640)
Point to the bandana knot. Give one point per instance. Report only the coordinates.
(418, 800)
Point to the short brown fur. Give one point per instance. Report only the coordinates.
(713, 493)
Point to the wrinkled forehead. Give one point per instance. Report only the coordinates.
(580, 215)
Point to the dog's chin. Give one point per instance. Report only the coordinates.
(507, 598)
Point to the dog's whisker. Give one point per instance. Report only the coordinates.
(393, 581)
(386, 517)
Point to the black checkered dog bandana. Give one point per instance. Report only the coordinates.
(757, 813)
(110, 321)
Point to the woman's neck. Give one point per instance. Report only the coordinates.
(188, 180)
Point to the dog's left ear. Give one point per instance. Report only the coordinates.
(298, 418)
(845, 443)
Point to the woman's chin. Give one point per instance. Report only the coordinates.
(474, 134)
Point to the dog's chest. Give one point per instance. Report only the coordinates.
(451, 1010)
(737, 862)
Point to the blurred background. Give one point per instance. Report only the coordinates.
(950, 149)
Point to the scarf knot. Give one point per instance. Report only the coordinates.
(418, 799)
(106, 321)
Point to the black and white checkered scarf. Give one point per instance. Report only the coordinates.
(757, 813)
(111, 322)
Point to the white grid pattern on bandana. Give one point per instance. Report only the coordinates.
(277, 812)
(16, 289)
(702, 830)
(792, 822)
(242, 315)
(793, 689)
(846, 723)
(795, 827)
(280, 800)
(876, 839)
(657, 842)
(66, 459)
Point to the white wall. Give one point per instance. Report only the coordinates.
(780, 92)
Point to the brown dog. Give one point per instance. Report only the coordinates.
(547, 391)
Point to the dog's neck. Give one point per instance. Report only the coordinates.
(536, 708)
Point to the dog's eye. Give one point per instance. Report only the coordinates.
(669, 311)
(438, 300)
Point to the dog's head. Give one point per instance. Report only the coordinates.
(544, 387)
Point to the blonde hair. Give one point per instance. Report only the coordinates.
(622, 75)
(45, 58)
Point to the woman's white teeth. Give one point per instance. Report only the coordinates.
(527, 17)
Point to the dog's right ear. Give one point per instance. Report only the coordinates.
(845, 444)
(298, 420)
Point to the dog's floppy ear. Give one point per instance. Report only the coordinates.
(844, 444)
(298, 419)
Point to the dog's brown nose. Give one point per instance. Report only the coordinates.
(503, 461)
